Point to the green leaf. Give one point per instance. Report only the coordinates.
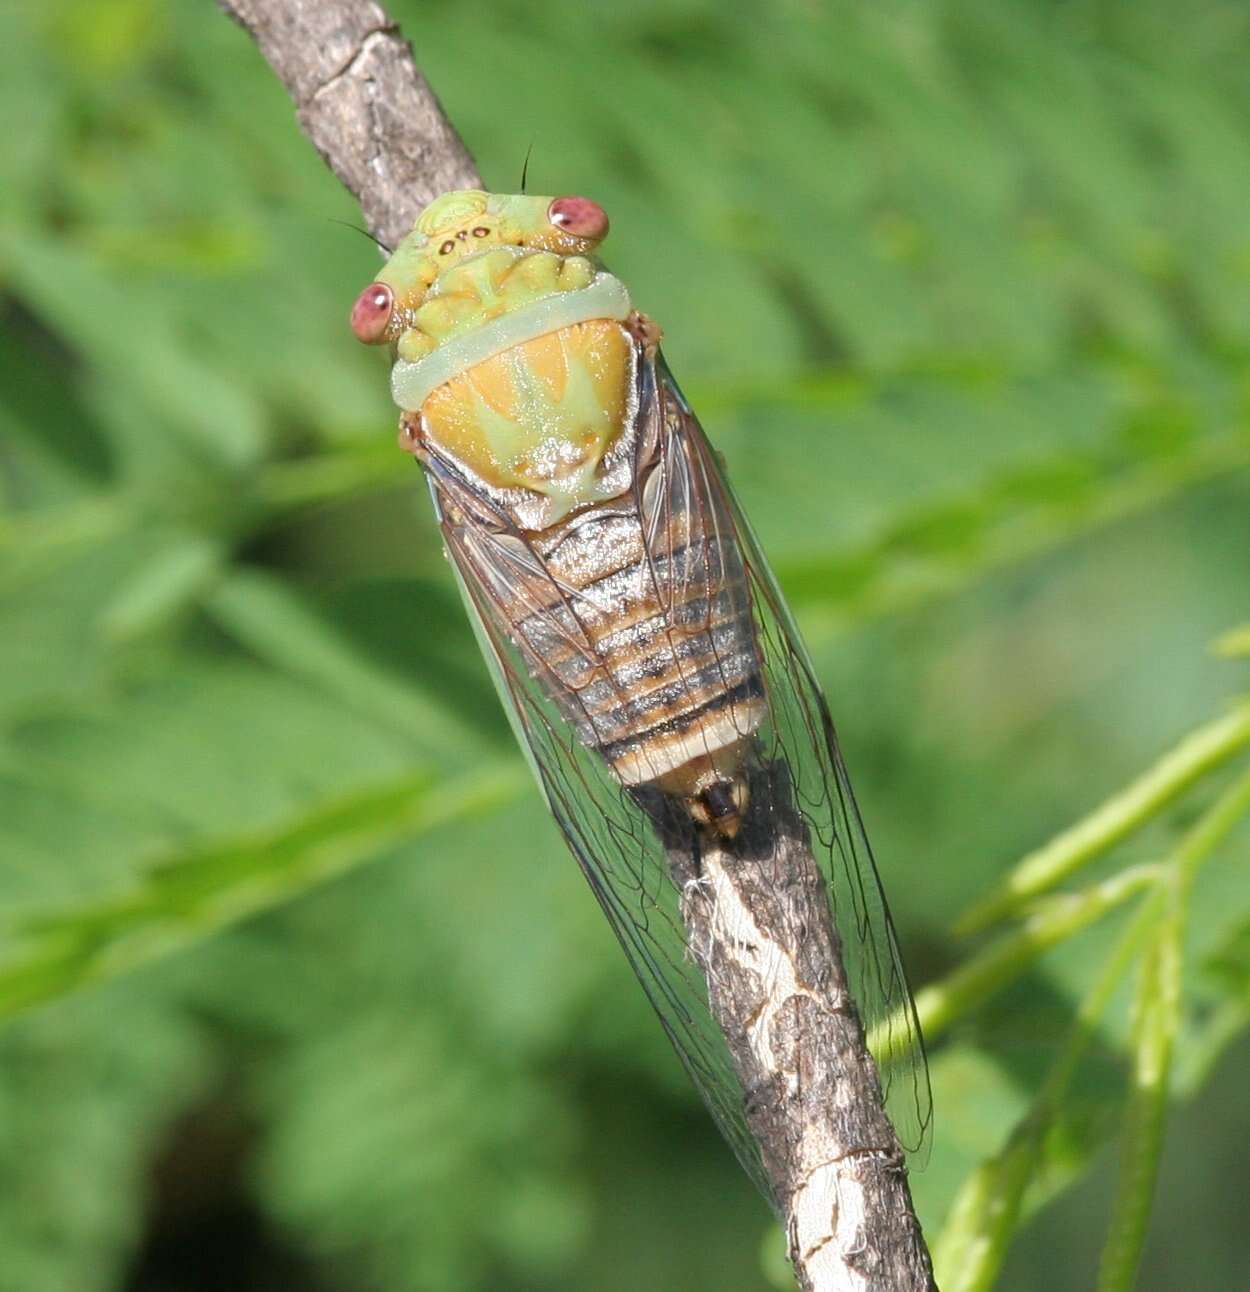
(169, 583)
(1156, 1013)
(944, 546)
(1197, 754)
(90, 1090)
(1235, 642)
(272, 620)
(939, 1005)
(191, 896)
(457, 1122)
(988, 1208)
(1156, 1022)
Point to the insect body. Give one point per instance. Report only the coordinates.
(648, 664)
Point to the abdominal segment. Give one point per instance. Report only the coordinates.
(649, 653)
(646, 644)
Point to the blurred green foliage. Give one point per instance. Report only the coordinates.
(962, 289)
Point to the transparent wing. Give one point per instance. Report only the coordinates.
(801, 736)
(616, 845)
(611, 831)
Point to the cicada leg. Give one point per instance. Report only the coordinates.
(645, 331)
(410, 433)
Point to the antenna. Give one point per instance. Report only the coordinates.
(525, 168)
(381, 246)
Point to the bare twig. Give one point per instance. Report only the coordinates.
(362, 101)
(757, 917)
(780, 996)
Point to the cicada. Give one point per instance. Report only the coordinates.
(649, 666)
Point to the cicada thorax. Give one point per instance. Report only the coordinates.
(540, 416)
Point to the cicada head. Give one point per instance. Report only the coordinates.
(455, 228)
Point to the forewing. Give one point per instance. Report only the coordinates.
(613, 840)
(801, 734)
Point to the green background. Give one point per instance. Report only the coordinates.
(961, 289)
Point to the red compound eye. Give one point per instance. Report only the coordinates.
(579, 216)
(372, 312)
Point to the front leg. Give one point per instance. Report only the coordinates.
(645, 331)
(412, 436)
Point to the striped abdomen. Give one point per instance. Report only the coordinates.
(647, 649)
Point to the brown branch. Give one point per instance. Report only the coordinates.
(361, 100)
(757, 919)
(779, 994)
